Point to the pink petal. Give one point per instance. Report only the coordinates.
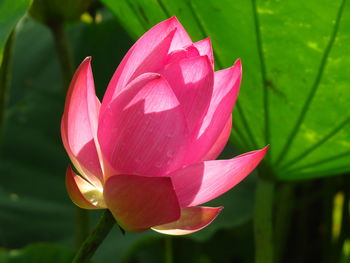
(144, 130)
(205, 49)
(200, 48)
(148, 54)
(82, 193)
(181, 38)
(192, 220)
(177, 55)
(79, 123)
(220, 143)
(202, 182)
(192, 81)
(155, 60)
(226, 87)
(139, 202)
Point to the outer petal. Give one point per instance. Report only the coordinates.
(82, 193)
(144, 130)
(202, 182)
(226, 87)
(153, 62)
(139, 202)
(79, 123)
(205, 49)
(220, 143)
(192, 81)
(181, 38)
(148, 54)
(192, 220)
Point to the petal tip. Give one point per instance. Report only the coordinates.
(207, 39)
(86, 63)
(88, 59)
(174, 19)
(265, 149)
(172, 22)
(238, 64)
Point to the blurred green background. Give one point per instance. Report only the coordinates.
(294, 96)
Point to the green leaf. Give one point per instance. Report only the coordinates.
(33, 200)
(37, 253)
(295, 92)
(10, 13)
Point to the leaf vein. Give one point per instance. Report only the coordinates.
(322, 161)
(317, 144)
(314, 88)
(263, 73)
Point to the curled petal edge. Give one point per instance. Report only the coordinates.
(79, 124)
(82, 193)
(192, 220)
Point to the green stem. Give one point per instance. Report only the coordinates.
(94, 240)
(168, 250)
(303, 207)
(284, 209)
(328, 191)
(64, 52)
(263, 226)
(82, 225)
(345, 220)
(5, 77)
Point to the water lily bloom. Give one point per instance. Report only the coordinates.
(147, 152)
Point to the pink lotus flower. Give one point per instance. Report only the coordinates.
(146, 153)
